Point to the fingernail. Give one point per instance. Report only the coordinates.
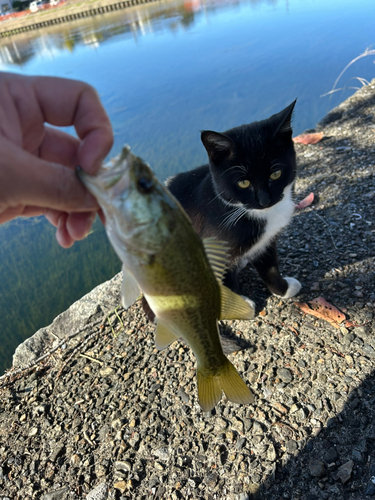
(89, 222)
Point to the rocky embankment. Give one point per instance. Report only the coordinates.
(108, 416)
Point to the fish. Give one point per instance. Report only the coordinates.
(179, 274)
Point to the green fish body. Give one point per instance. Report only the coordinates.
(179, 274)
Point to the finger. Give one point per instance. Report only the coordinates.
(20, 211)
(28, 180)
(63, 237)
(59, 147)
(70, 227)
(78, 104)
(79, 225)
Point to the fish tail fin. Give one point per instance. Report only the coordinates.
(227, 379)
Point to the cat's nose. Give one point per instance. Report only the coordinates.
(264, 199)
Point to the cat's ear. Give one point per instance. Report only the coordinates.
(283, 120)
(218, 146)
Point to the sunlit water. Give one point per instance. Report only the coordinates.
(165, 71)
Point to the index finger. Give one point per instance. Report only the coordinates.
(66, 102)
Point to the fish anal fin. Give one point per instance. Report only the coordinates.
(210, 387)
(129, 290)
(217, 254)
(234, 306)
(163, 336)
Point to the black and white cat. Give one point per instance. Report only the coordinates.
(244, 195)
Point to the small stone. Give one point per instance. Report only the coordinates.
(285, 375)
(369, 351)
(370, 488)
(331, 455)
(240, 443)
(117, 424)
(33, 431)
(211, 479)
(123, 465)
(257, 429)
(348, 338)
(57, 451)
(106, 371)
(183, 395)
(75, 460)
(98, 493)
(23, 417)
(121, 485)
(345, 471)
(291, 446)
(60, 494)
(162, 453)
(293, 408)
(279, 407)
(101, 470)
(316, 468)
(271, 453)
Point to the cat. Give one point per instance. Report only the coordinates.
(243, 196)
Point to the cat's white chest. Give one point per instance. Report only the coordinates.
(275, 218)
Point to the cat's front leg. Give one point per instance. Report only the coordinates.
(267, 266)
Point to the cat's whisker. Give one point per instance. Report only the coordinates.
(233, 217)
(218, 195)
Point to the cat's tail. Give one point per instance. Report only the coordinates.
(227, 380)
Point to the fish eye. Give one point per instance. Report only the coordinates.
(275, 175)
(244, 184)
(145, 184)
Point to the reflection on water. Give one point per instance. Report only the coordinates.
(132, 22)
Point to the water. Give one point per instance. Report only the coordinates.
(165, 71)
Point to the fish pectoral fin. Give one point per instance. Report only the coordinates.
(233, 306)
(217, 254)
(163, 336)
(228, 380)
(129, 290)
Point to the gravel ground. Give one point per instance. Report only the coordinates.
(124, 421)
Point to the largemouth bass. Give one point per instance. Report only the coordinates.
(179, 275)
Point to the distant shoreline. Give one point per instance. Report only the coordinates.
(65, 12)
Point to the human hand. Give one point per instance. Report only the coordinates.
(37, 161)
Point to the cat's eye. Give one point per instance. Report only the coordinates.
(244, 184)
(275, 175)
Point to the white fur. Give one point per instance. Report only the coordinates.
(276, 218)
(249, 301)
(294, 286)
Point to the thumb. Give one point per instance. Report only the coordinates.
(28, 180)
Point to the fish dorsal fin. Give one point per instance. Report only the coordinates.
(163, 336)
(217, 254)
(129, 289)
(233, 306)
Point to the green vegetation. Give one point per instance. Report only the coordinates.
(39, 279)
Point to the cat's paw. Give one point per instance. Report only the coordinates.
(294, 286)
(249, 301)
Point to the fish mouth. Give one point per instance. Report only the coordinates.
(112, 180)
